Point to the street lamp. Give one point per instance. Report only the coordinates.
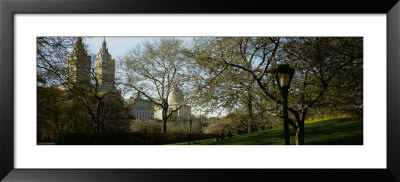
(284, 75)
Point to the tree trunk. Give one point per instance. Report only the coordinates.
(70, 126)
(250, 109)
(93, 118)
(300, 133)
(98, 116)
(58, 127)
(164, 127)
(297, 138)
(165, 118)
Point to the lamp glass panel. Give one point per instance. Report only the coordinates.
(283, 79)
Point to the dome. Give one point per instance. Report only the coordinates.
(176, 96)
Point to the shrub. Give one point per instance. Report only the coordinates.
(138, 126)
(128, 138)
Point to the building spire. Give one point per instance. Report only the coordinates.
(79, 40)
(105, 68)
(79, 48)
(104, 45)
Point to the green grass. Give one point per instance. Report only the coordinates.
(343, 131)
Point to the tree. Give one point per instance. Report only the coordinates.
(50, 104)
(154, 69)
(51, 55)
(233, 67)
(56, 58)
(114, 115)
(328, 71)
(322, 77)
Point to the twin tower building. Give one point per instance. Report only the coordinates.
(79, 70)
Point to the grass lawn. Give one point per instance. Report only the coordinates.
(343, 131)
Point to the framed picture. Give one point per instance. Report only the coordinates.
(368, 29)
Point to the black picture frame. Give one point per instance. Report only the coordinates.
(9, 8)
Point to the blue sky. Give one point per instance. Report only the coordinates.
(117, 46)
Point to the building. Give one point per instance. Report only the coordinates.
(140, 108)
(105, 69)
(175, 100)
(79, 68)
(79, 65)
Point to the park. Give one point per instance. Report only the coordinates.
(200, 91)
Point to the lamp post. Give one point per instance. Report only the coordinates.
(99, 96)
(284, 74)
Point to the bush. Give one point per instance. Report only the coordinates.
(75, 139)
(238, 123)
(128, 138)
(138, 126)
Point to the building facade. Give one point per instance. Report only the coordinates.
(79, 65)
(175, 100)
(79, 68)
(105, 69)
(140, 108)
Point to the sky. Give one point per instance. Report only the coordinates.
(117, 46)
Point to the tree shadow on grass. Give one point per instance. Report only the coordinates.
(347, 131)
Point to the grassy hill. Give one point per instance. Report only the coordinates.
(343, 131)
